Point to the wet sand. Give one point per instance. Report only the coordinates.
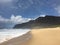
(20, 40)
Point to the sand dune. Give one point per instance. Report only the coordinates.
(47, 36)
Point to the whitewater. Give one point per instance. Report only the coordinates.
(7, 34)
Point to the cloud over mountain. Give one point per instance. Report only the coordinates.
(9, 23)
(19, 19)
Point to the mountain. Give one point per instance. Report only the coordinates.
(46, 21)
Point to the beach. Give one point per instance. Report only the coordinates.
(44, 36)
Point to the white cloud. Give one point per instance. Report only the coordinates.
(9, 23)
(42, 15)
(19, 19)
(3, 19)
(15, 19)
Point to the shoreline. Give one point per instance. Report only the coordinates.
(18, 40)
(45, 36)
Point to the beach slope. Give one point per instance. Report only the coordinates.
(46, 36)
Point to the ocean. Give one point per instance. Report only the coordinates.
(6, 34)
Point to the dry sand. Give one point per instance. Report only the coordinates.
(47, 36)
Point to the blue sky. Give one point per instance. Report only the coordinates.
(29, 8)
(14, 12)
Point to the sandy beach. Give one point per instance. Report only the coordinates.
(45, 36)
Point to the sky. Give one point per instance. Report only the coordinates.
(20, 11)
(29, 8)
